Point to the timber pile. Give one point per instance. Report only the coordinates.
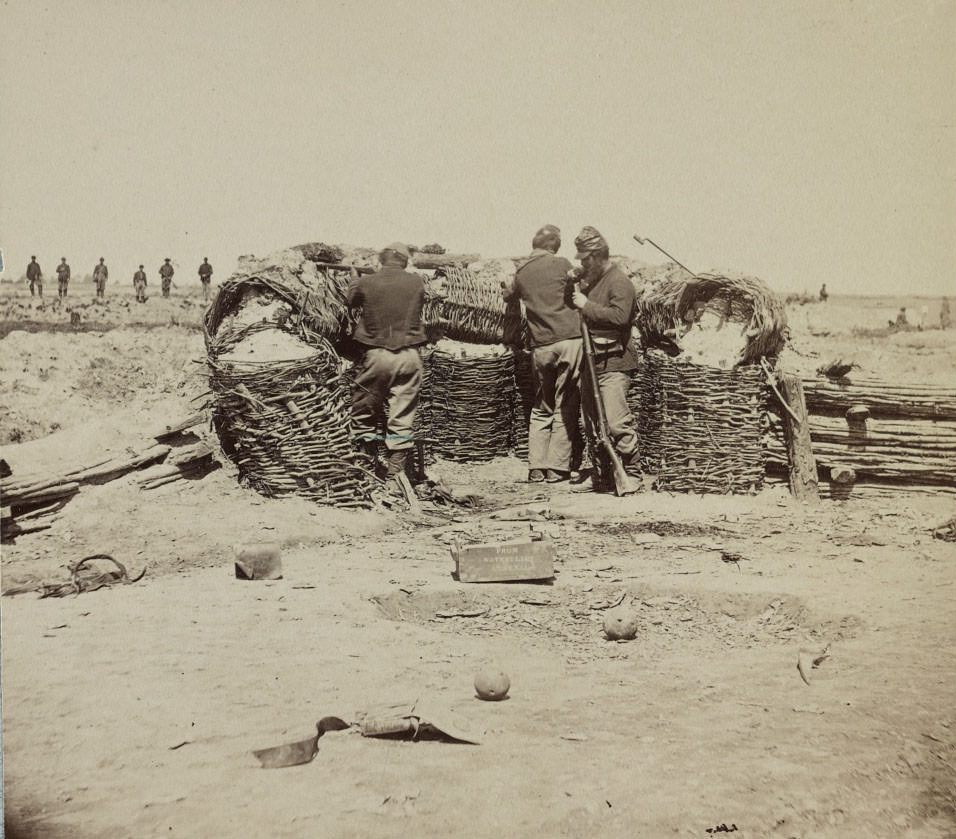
(31, 502)
(869, 431)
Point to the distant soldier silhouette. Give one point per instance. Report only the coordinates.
(139, 284)
(824, 294)
(35, 276)
(205, 276)
(100, 275)
(62, 278)
(945, 317)
(166, 275)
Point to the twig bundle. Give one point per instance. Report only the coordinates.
(472, 402)
(701, 429)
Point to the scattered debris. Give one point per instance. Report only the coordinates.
(82, 579)
(807, 660)
(946, 530)
(258, 561)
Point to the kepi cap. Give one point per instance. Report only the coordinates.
(588, 241)
(399, 248)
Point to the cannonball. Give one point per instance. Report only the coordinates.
(492, 684)
(620, 624)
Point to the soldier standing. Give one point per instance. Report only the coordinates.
(205, 276)
(139, 283)
(62, 277)
(35, 276)
(166, 275)
(389, 374)
(100, 275)
(607, 306)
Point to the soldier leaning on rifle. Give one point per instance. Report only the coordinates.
(139, 284)
(541, 282)
(100, 275)
(166, 276)
(62, 278)
(389, 373)
(35, 277)
(606, 302)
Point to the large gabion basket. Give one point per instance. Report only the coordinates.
(701, 429)
(471, 404)
(285, 424)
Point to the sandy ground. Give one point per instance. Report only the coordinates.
(133, 711)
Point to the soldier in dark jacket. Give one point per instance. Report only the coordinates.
(166, 272)
(62, 278)
(35, 277)
(205, 276)
(139, 284)
(100, 275)
(389, 373)
(541, 282)
(606, 301)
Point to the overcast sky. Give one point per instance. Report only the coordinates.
(799, 140)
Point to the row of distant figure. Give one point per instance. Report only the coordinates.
(101, 274)
(902, 319)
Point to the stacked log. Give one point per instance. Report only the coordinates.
(879, 433)
(885, 400)
(31, 501)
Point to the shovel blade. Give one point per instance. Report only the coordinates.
(288, 754)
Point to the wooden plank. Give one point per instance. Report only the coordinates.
(802, 466)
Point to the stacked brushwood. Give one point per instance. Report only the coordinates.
(472, 400)
(473, 309)
(279, 397)
(711, 319)
(701, 429)
(890, 435)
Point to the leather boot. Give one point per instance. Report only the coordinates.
(370, 448)
(395, 462)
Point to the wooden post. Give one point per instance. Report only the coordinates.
(803, 466)
(856, 417)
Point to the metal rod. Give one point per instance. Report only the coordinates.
(641, 241)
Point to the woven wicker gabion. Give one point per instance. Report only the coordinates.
(701, 429)
(285, 424)
(472, 402)
(523, 403)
